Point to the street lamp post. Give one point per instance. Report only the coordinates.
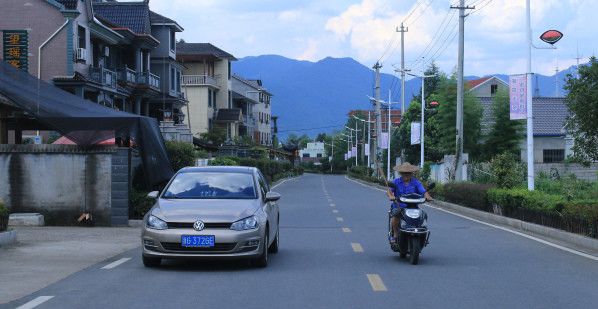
(423, 109)
(331, 161)
(356, 130)
(369, 122)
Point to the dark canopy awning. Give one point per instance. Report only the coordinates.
(84, 122)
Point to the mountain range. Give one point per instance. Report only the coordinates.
(314, 97)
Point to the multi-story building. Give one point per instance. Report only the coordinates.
(206, 82)
(254, 101)
(314, 152)
(102, 51)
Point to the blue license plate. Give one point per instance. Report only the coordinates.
(197, 240)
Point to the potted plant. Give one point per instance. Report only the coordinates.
(3, 217)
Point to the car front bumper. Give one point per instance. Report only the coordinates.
(229, 244)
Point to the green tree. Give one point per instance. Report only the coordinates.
(506, 134)
(582, 101)
(402, 137)
(447, 111)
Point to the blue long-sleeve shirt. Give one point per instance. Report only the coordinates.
(401, 188)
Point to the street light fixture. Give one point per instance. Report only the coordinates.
(421, 129)
(369, 136)
(356, 143)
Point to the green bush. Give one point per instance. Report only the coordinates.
(587, 210)
(224, 161)
(180, 154)
(139, 204)
(569, 187)
(3, 209)
(507, 171)
(521, 197)
(472, 195)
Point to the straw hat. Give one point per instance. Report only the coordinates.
(406, 168)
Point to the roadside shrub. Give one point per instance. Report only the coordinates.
(521, 197)
(569, 187)
(587, 210)
(424, 173)
(506, 171)
(472, 195)
(3, 217)
(180, 154)
(224, 161)
(139, 204)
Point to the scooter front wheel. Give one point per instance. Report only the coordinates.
(415, 249)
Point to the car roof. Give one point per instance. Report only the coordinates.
(219, 169)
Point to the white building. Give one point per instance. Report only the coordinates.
(313, 153)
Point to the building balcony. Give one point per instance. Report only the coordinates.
(127, 75)
(200, 80)
(103, 76)
(149, 79)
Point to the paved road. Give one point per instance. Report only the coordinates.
(322, 265)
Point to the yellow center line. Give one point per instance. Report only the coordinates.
(357, 247)
(346, 230)
(376, 283)
(340, 219)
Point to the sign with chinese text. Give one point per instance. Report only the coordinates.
(353, 151)
(518, 96)
(415, 133)
(367, 149)
(15, 48)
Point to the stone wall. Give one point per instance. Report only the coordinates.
(63, 181)
(581, 172)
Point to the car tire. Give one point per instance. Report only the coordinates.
(262, 260)
(151, 261)
(275, 244)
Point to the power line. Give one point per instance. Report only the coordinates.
(310, 129)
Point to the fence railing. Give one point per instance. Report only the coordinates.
(127, 75)
(199, 80)
(147, 78)
(103, 76)
(581, 226)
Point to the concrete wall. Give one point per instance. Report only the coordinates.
(485, 90)
(581, 172)
(62, 181)
(43, 19)
(199, 112)
(541, 143)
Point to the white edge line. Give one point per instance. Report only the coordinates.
(115, 263)
(280, 183)
(542, 241)
(35, 302)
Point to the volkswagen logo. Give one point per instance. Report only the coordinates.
(198, 225)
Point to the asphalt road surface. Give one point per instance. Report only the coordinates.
(334, 254)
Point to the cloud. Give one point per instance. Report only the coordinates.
(311, 52)
(290, 15)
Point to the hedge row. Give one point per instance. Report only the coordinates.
(472, 195)
(273, 170)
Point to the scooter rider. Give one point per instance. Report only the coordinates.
(406, 184)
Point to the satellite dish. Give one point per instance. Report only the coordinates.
(551, 36)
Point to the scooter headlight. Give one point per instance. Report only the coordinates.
(413, 213)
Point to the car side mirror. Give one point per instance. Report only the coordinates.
(431, 186)
(272, 196)
(153, 194)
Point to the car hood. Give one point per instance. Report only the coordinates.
(215, 211)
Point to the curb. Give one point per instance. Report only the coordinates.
(571, 239)
(8, 238)
(135, 223)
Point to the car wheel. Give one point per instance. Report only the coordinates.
(151, 261)
(262, 260)
(274, 247)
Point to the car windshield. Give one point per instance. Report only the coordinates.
(207, 185)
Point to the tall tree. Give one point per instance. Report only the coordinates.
(506, 134)
(447, 111)
(582, 101)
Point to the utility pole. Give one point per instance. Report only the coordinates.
(369, 139)
(460, 89)
(402, 30)
(378, 115)
(530, 119)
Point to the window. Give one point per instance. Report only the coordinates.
(553, 155)
(82, 37)
(172, 41)
(319, 155)
(306, 155)
(493, 89)
(209, 97)
(210, 124)
(207, 185)
(172, 81)
(178, 81)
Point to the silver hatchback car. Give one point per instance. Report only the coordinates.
(212, 212)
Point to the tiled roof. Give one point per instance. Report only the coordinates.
(550, 115)
(206, 49)
(476, 82)
(132, 15)
(156, 18)
(69, 4)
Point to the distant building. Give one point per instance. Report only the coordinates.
(254, 101)
(314, 152)
(487, 86)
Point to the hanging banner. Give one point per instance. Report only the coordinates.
(415, 133)
(15, 48)
(354, 151)
(518, 96)
(384, 140)
(345, 157)
(348, 154)
(367, 149)
(330, 159)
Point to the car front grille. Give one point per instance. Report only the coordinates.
(186, 225)
(218, 247)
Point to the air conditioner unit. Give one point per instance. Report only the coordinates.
(81, 54)
(106, 51)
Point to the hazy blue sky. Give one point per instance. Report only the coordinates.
(364, 30)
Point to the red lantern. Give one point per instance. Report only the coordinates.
(434, 104)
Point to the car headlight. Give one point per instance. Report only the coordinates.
(413, 213)
(249, 223)
(156, 223)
